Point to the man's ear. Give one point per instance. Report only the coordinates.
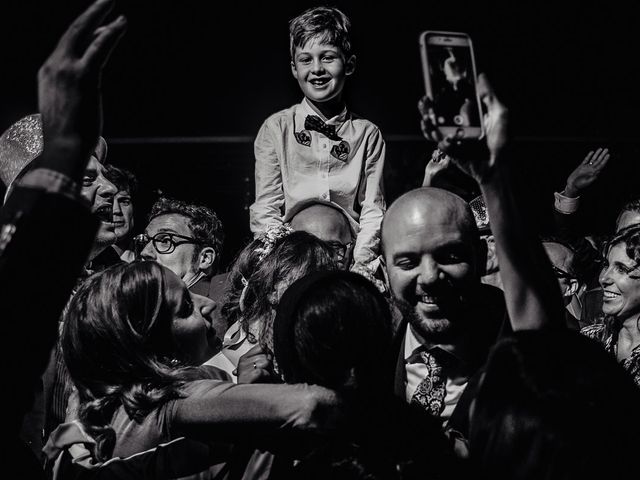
(294, 70)
(206, 259)
(574, 285)
(350, 65)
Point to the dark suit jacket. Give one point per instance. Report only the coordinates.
(45, 240)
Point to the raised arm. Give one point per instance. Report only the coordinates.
(531, 292)
(69, 85)
(45, 227)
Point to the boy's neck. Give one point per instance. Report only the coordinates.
(328, 109)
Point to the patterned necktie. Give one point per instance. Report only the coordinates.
(431, 390)
(313, 122)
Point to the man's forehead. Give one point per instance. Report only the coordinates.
(170, 222)
(438, 220)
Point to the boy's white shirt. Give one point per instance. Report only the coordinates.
(288, 173)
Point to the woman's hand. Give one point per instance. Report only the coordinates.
(255, 366)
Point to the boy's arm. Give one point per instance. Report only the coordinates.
(266, 210)
(373, 206)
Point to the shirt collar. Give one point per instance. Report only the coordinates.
(305, 109)
(413, 346)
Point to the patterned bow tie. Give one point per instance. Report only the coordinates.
(313, 122)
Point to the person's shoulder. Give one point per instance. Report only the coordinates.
(597, 331)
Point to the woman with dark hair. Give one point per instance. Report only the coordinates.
(273, 262)
(334, 329)
(619, 332)
(133, 342)
(554, 405)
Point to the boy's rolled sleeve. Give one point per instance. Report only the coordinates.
(266, 210)
(367, 245)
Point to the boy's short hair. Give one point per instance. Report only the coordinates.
(328, 24)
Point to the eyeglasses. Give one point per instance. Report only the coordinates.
(163, 242)
(339, 249)
(562, 274)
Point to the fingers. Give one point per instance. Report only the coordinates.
(79, 32)
(105, 40)
(488, 96)
(485, 91)
(588, 158)
(600, 158)
(254, 365)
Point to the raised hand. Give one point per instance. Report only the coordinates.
(587, 172)
(438, 162)
(69, 81)
(478, 158)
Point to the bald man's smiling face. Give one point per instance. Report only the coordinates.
(430, 256)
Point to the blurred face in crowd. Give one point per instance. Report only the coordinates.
(321, 70)
(620, 281)
(430, 257)
(562, 259)
(330, 226)
(99, 192)
(180, 256)
(123, 215)
(192, 325)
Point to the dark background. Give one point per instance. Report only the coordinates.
(191, 82)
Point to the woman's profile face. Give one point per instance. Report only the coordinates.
(620, 281)
(191, 327)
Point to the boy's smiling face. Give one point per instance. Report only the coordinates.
(321, 70)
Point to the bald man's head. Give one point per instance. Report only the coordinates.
(427, 209)
(328, 224)
(431, 251)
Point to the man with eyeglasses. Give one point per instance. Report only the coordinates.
(185, 238)
(329, 223)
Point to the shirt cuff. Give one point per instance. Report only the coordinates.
(50, 181)
(566, 205)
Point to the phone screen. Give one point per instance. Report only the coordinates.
(453, 85)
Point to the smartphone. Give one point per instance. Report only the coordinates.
(449, 71)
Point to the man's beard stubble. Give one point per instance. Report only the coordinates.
(433, 330)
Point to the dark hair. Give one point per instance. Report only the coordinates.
(124, 180)
(118, 347)
(630, 206)
(203, 222)
(333, 329)
(553, 404)
(291, 258)
(328, 24)
(630, 236)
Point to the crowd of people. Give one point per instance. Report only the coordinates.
(436, 338)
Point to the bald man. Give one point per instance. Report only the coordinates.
(449, 320)
(331, 224)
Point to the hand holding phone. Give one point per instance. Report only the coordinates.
(449, 72)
